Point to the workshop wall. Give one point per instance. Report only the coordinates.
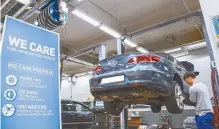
(80, 90)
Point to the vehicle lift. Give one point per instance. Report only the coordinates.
(121, 50)
(214, 75)
(100, 114)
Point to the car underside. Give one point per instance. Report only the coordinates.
(138, 79)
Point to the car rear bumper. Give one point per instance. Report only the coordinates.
(135, 80)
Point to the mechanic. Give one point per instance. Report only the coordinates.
(200, 98)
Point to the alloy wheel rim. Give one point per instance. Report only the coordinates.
(179, 96)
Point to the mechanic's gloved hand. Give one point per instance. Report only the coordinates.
(188, 102)
(184, 101)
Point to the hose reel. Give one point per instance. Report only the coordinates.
(51, 17)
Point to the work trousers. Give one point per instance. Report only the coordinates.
(205, 121)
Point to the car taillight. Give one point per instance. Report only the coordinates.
(97, 68)
(144, 59)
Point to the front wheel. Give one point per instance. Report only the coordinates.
(174, 103)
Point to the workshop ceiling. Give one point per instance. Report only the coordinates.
(131, 15)
(128, 16)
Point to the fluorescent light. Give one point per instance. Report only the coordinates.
(141, 49)
(173, 50)
(178, 55)
(130, 43)
(80, 74)
(110, 31)
(85, 17)
(87, 64)
(195, 46)
(90, 72)
(24, 1)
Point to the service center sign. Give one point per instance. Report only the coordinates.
(29, 77)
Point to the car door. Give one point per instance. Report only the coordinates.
(83, 112)
(69, 115)
(76, 115)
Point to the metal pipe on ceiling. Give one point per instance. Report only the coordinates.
(31, 12)
(187, 7)
(163, 24)
(83, 51)
(6, 2)
(23, 8)
(83, 54)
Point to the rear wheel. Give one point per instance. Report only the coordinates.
(113, 108)
(155, 108)
(174, 103)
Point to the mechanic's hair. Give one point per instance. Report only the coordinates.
(189, 74)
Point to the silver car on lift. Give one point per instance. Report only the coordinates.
(137, 78)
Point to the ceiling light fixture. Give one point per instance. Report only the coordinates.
(173, 50)
(85, 17)
(23, 1)
(196, 46)
(110, 31)
(141, 49)
(81, 74)
(130, 43)
(181, 54)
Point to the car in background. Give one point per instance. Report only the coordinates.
(189, 123)
(76, 115)
(155, 79)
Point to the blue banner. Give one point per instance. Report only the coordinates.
(216, 26)
(30, 81)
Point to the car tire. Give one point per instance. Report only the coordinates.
(174, 103)
(113, 108)
(155, 108)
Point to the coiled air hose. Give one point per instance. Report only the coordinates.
(50, 17)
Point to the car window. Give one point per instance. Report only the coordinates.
(85, 108)
(74, 106)
(68, 106)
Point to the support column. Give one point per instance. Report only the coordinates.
(124, 118)
(102, 52)
(120, 46)
(211, 31)
(210, 9)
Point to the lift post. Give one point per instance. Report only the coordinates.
(99, 114)
(124, 114)
(214, 71)
(124, 118)
(120, 46)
